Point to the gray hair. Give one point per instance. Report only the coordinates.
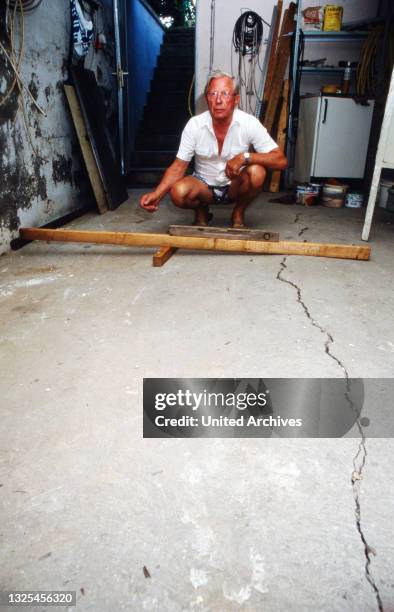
(217, 74)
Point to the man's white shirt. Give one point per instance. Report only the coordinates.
(199, 140)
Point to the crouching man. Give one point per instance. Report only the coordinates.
(232, 151)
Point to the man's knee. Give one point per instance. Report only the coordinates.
(256, 176)
(179, 192)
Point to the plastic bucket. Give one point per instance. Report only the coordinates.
(354, 199)
(308, 194)
(334, 195)
(384, 187)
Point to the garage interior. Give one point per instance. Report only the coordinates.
(88, 503)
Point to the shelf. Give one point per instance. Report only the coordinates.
(324, 69)
(318, 36)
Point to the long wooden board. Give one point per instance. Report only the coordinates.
(231, 233)
(272, 58)
(341, 251)
(283, 54)
(281, 136)
(86, 148)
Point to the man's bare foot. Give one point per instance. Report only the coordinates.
(237, 221)
(202, 216)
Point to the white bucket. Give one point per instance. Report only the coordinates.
(354, 199)
(383, 195)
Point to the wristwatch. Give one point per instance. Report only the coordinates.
(246, 157)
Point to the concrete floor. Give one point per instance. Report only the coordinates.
(220, 524)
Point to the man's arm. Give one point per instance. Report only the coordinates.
(274, 160)
(177, 170)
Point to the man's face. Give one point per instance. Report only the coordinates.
(222, 105)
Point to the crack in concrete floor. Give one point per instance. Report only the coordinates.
(360, 457)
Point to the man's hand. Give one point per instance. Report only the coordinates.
(150, 201)
(234, 165)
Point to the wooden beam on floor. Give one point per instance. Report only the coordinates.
(316, 249)
(163, 255)
(231, 233)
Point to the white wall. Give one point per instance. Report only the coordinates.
(226, 15)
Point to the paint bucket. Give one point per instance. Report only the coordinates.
(383, 194)
(334, 195)
(332, 18)
(308, 194)
(354, 199)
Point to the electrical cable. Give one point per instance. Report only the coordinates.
(20, 81)
(15, 60)
(11, 20)
(27, 6)
(212, 36)
(246, 42)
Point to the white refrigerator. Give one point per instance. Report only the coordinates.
(332, 139)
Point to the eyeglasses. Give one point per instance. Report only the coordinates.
(224, 94)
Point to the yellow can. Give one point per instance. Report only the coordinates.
(332, 18)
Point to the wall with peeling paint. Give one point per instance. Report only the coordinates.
(42, 176)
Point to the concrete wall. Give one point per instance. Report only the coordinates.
(40, 185)
(145, 35)
(226, 15)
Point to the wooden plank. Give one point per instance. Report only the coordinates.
(162, 256)
(272, 58)
(281, 136)
(283, 54)
(86, 148)
(231, 233)
(316, 249)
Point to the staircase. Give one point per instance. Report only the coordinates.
(166, 110)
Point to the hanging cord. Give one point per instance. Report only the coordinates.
(16, 65)
(246, 41)
(21, 84)
(25, 6)
(367, 66)
(11, 21)
(212, 36)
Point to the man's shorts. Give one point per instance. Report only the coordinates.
(220, 194)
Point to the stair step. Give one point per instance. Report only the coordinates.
(152, 158)
(174, 32)
(172, 99)
(157, 142)
(176, 50)
(177, 62)
(162, 85)
(181, 39)
(145, 177)
(156, 115)
(172, 125)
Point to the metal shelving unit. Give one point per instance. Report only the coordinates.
(296, 69)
